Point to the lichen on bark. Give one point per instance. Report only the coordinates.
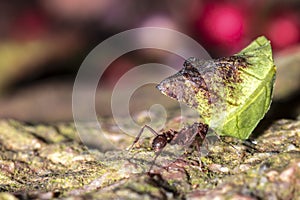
(47, 161)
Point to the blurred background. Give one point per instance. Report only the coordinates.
(43, 43)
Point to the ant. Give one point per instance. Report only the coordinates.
(188, 136)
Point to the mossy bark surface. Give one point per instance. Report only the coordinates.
(50, 161)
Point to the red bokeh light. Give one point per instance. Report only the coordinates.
(222, 23)
(283, 31)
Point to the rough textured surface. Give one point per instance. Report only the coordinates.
(48, 161)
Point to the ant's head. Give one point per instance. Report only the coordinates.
(159, 142)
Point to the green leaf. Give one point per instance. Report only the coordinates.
(232, 94)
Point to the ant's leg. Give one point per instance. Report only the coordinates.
(156, 156)
(251, 146)
(198, 145)
(236, 150)
(191, 139)
(195, 130)
(197, 142)
(140, 133)
(164, 167)
(206, 143)
(198, 148)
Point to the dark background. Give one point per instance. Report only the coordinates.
(43, 43)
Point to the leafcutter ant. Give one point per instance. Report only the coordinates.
(192, 135)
